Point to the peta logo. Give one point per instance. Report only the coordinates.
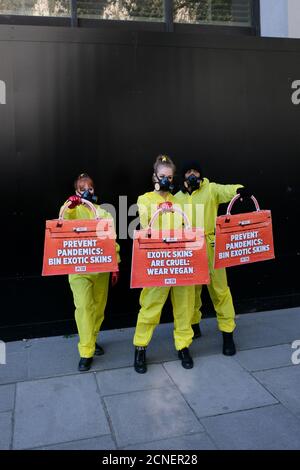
(170, 281)
(296, 355)
(2, 353)
(2, 92)
(296, 93)
(80, 268)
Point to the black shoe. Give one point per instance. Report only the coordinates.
(228, 344)
(85, 364)
(99, 351)
(196, 330)
(186, 360)
(140, 365)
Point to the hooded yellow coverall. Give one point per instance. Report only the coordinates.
(202, 208)
(89, 291)
(152, 299)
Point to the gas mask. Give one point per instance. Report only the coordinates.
(193, 182)
(88, 196)
(163, 184)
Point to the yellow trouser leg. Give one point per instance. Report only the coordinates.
(183, 299)
(197, 315)
(152, 300)
(220, 295)
(222, 300)
(82, 286)
(100, 292)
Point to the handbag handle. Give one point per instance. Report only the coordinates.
(235, 198)
(83, 201)
(168, 207)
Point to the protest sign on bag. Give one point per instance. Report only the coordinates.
(243, 238)
(79, 246)
(175, 257)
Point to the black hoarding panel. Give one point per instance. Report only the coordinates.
(107, 104)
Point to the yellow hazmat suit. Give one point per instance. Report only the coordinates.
(202, 208)
(152, 299)
(89, 291)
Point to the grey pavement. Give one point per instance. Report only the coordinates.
(248, 401)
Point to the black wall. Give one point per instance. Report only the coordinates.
(107, 103)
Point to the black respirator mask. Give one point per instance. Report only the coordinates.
(89, 196)
(193, 182)
(163, 184)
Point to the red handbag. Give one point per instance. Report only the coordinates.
(79, 246)
(175, 257)
(243, 238)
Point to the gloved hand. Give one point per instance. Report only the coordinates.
(114, 278)
(75, 201)
(244, 193)
(166, 206)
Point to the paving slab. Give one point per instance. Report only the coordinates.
(268, 328)
(150, 415)
(50, 359)
(17, 346)
(284, 384)
(7, 397)
(118, 333)
(118, 353)
(5, 430)
(51, 341)
(118, 381)
(199, 441)
(267, 428)
(210, 342)
(58, 410)
(265, 358)
(218, 384)
(21, 345)
(61, 357)
(15, 369)
(97, 443)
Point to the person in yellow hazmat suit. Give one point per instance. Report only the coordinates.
(153, 299)
(200, 199)
(89, 290)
